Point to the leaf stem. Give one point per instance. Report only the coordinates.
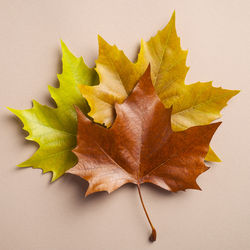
(153, 234)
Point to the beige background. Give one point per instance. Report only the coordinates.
(35, 214)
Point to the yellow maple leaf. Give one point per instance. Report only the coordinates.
(118, 76)
(195, 104)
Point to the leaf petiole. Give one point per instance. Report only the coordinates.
(153, 234)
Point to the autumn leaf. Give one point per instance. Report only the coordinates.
(141, 147)
(117, 75)
(54, 129)
(197, 104)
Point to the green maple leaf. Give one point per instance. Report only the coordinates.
(54, 129)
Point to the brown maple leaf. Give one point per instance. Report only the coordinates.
(141, 147)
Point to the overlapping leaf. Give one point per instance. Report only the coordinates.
(54, 129)
(158, 131)
(130, 151)
(118, 76)
(197, 104)
(141, 147)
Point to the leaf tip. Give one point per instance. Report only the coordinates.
(21, 165)
(100, 39)
(14, 111)
(10, 109)
(34, 102)
(173, 17)
(54, 177)
(87, 193)
(173, 14)
(218, 159)
(236, 92)
(65, 50)
(63, 45)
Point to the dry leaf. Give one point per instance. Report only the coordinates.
(141, 147)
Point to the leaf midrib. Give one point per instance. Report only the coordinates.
(198, 104)
(43, 125)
